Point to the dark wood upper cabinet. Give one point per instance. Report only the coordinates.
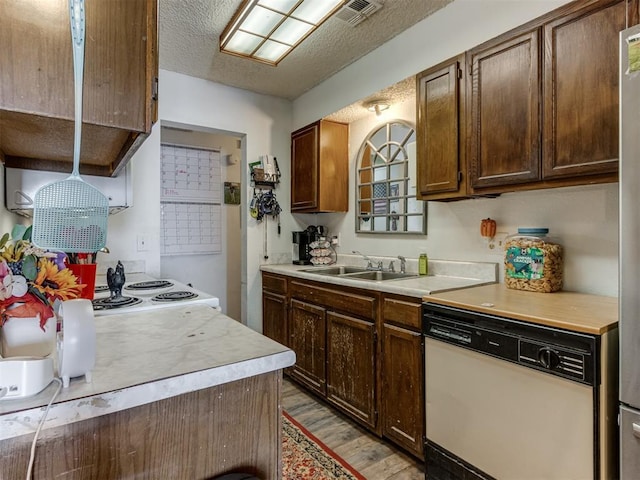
(440, 135)
(320, 168)
(505, 121)
(544, 100)
(37, 91)
(581, 91)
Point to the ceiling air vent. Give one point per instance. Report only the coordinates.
(356, 11)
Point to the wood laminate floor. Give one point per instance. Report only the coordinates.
(369, 455)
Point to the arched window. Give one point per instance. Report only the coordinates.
(385, 195)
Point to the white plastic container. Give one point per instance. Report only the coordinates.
(23, 337)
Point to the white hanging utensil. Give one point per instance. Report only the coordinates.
(71, 215)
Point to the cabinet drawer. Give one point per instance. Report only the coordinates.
(402, 312)
(274, 283)
(360, 305)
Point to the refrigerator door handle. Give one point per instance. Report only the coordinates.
(636, 429)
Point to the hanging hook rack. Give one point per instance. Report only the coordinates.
(265, 173)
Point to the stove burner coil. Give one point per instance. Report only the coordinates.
(149, 285)
(112, 303)
(101, 288)
(175, 296)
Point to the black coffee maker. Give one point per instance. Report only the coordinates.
(302, 241)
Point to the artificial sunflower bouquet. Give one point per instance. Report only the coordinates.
(32, 279)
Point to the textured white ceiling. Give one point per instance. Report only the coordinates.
(189, 32)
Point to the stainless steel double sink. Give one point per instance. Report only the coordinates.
(359, 273)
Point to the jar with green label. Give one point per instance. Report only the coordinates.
(533, 261)
(423, 264)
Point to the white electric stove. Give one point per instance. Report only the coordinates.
(151, 294)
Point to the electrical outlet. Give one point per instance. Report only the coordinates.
(335, 240)
(142, 243)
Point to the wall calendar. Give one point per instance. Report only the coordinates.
(190, 198)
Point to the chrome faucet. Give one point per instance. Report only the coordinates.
(403, 262)
(370, 265)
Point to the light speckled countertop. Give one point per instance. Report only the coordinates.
(149, 356)
(444, 275)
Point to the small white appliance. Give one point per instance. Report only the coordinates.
(150, 295)
(76, 340)
(24, 376)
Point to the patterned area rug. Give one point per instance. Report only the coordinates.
(306, 457)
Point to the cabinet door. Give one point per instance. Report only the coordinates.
(39, 59)
(320, 168)
(351, 366)
(304, 168)
(333, 167)
(37, 93)
(581, 91)
(307, 338)
(402, 384)
(504, 85)
(274, 317)
(439, 158)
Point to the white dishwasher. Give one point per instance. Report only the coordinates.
(507, 399)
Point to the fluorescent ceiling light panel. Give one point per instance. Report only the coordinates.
(267, 30)
(291, 31)
(313, 11)
(243, 43)
(284, 6)
(271, 51)
(261, 21)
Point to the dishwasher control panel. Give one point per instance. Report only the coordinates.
(555, 351)
(553, 358)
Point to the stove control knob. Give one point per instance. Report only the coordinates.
(549, 358)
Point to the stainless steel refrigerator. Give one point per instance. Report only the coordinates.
(629, 262)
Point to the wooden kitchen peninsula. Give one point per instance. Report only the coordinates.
(180, 392)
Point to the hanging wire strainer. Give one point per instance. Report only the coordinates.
(71, 215)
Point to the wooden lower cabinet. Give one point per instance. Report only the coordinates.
(351, 360)
(402, 373)
(402, 383)
(307, 338)
(275, 308)
(274, 317)
(359, 350)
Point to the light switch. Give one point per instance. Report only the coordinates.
(142, 243)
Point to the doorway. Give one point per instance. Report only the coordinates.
(216, 273)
